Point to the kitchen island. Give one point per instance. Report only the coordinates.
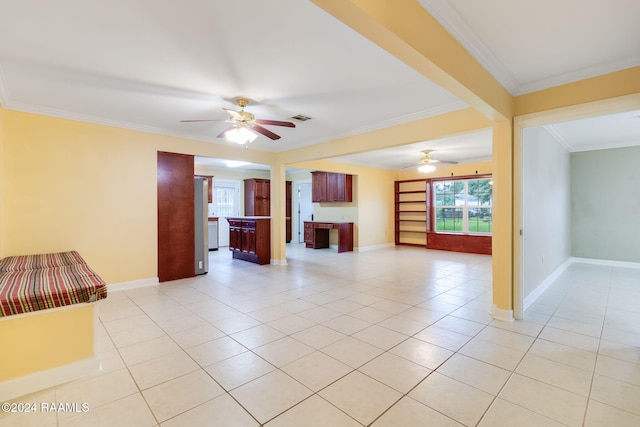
(250, 238)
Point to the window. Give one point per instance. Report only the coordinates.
(225, 203)
(463, 206)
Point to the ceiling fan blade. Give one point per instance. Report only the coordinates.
(222, 134)
(234, 114)
(275, 123)
(449, 162)
(265, 132)
(412, 165)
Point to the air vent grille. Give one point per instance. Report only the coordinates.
(301, 117)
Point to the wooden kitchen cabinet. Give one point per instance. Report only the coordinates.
(257, 197)
(331, 187)
(235, 234)
(250, 239)
(209, 179)
(288, 210)
(257, 200)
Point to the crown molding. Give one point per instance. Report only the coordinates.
(555, 133)
(593, 147)
(447, 15)
(431, 112)
(574, 76)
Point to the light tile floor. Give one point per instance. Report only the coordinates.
(392, 337)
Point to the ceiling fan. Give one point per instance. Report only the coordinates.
(427, 163)
(245, 125)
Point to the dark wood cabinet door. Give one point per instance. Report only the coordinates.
(339, 187)
(288, 210)
(335, 187)
(262, 207)
(318, 187)
(308, 235)
(257, 197)
(251, 240)
(331, 187)
(176, 228)
(262, 188)
(235, 238)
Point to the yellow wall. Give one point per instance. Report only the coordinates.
(92, 188)
(33, 343)
(371, 210)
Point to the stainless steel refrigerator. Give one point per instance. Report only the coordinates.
(201, 199)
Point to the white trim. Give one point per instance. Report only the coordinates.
(448, 16)
(134, 284)
(533, 296)
(574, 76)
(555, 133)
(373, 248)
(49, 378)
(610, 263)
(278, 261)
(501, 314)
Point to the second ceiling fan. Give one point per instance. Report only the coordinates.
(243, 123)
(427, 163)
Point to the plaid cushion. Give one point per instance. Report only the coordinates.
(32, 289)
(31, 262)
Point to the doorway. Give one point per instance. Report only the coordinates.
(543, 183)
(303, 208)
(226, 203)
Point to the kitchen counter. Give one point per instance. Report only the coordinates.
(250, 238)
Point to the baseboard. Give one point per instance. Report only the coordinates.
(134, 284)
(38, 381)
(501, 314)
(374, 247)
(530, 299)
(610, 263)
(278, 261)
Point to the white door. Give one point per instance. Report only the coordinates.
(304, 206)
(226, 202)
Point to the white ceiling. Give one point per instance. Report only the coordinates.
(146, 65)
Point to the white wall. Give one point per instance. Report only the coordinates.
(546, 199)
(605, 204)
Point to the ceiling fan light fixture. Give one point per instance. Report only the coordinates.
(240, 135)
(426, 168)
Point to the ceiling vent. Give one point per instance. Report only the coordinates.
(301, 117)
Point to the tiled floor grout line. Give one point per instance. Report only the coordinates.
(289, 335)
(200, 367)
(595, 367)
(403, 395)
(384, 294)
